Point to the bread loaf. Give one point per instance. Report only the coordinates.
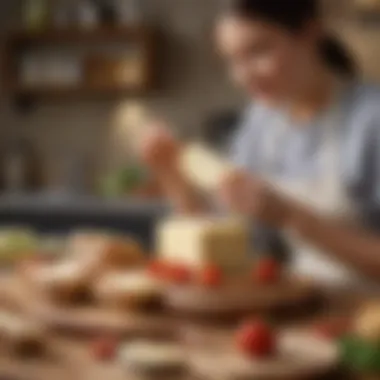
(203, 167)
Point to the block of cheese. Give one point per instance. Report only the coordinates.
(203, 167)
(196, 242)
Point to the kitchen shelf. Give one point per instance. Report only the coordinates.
(371, 18)
(21, 42)
(42, 92)
(367, 12)
(79, 36)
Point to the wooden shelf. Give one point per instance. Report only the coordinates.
(79, 36)
(369, 18)
(75, 91)
(20, 42)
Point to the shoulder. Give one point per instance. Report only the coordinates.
(364, 100)
(366, 91)
(362, 111)
(253, 120)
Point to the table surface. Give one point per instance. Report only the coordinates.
(42, 204)
(71, 358)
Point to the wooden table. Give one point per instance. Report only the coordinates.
(73, 361)
(72, 358)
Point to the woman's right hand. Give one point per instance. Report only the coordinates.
(160, 150)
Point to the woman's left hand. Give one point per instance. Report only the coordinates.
(247, 195)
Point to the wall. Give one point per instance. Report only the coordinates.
(362, 34)
(192, 81)
(192, 77)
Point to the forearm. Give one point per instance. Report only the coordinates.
(352, 245)
(185, 197)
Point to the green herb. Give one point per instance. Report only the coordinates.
(123, 181)
(359, 355)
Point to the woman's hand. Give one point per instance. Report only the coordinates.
(246, 195)
(160, 150)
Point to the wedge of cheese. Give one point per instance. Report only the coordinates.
(203, 167)
(145, 355)
(196, 242)
(125, 284)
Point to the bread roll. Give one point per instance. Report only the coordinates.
(101, 252)
(20, 335)
(66, 281)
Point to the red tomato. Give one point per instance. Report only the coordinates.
(180, 274)
(267, 271)
(157, 268)
(211, 276)
(104, 348)
(256, 339)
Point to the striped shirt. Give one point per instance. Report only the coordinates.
(359, 148)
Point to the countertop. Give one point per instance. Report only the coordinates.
(59, 214)
(59, 204)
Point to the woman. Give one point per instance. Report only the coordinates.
(307, 148)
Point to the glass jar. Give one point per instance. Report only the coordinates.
(36, 14)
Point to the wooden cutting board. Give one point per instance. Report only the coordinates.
(300, 356)
(242, 298)
(87, 320)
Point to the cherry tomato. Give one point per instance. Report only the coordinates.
(157, 269)
(179, 274)
(256, 339)
(211, 276)
(104, 349)
(267, 272)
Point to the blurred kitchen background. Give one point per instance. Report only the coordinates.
(74, 71)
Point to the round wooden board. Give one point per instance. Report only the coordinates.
(239, 298)
(94, 322)
(87, 320)
(300, 356)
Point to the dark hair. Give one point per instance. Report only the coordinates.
(294, 15)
